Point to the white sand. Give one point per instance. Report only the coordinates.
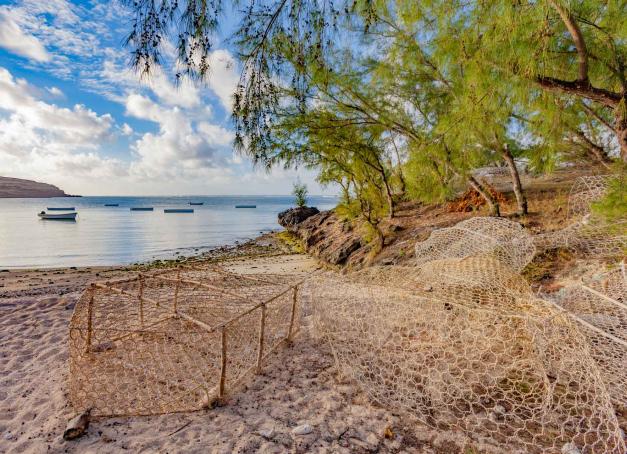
(299, 385)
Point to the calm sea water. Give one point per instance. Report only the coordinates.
(115, 235)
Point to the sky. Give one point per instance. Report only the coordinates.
(73, 114)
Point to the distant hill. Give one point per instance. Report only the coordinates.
(16, 187)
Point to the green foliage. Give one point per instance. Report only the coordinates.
(292, 241)
(300, 194)
(397, 99)
(613, 207)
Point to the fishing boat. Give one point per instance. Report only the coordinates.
(178, 210)
(58, 217)
(60, 208)
(142, 209)
(112, 204)
(196, 203)
(245, 206)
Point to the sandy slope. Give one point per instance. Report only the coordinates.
(299, 385)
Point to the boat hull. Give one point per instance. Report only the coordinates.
(58, 217)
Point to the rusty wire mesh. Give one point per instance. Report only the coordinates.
(497, 237)
(175, 340)
(588, 235)
(599, 307)
(584, 192)
(464, 344)
(460, 340)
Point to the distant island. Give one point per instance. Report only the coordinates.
(17, 187)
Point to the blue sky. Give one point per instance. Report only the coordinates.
(73, 114)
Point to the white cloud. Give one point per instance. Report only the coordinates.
(42, 140)
(116, 80)
(181, 147)
(15, 40)
(55, 92)
(78, 125)
(223, 77)
(126, 129)
(186, 151)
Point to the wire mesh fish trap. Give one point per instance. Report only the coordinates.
(584, 192)
(599, 307)
(464, 344)
(176, 340)
(588, 235)
(497, 237)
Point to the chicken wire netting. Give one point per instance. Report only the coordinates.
(176, 340)
(464, 344)
(460, 341)
(584, 192)
(599, 306)
(588, 234)
(506, 240)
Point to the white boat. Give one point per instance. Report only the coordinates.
(61, 217)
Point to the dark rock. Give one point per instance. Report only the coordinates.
(77, 426)
(330, 238)
(341, 254)
(294, 216)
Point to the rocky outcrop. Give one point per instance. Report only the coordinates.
(16, 187)
(294, 216)
(327, 237)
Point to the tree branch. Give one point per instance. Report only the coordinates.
(575, 32)
(583, 89)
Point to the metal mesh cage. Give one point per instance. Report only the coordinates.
(175, 340)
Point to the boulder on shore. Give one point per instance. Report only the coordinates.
(293, 216)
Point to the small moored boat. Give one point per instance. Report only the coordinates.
(60, 208)
(58, 217)
(196, 203)
(112, 204)
(142, 208)
(245, 206)
(178, 210)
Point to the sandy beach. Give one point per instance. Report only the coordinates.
(299, 403)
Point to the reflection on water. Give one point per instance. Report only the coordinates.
(116, 235)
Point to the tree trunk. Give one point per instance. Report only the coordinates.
(495, 210)
(390, 198)
(521, 200)
(399, 168)
(621, 128)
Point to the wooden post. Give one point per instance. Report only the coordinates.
(223, 364)
(262, 327)
(176, 289)
(291, 330)
(90, 310)
(141, 300)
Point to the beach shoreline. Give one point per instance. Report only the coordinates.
(298, 403)
(35, 281)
